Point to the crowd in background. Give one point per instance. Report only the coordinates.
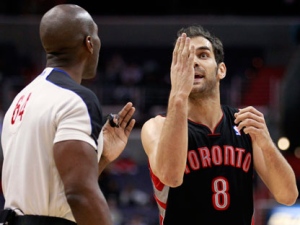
(126, 76)
(141, 75)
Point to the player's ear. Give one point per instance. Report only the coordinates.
(222, 70)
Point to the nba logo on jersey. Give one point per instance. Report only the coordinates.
(237, 132)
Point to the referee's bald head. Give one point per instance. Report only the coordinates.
(69, 36)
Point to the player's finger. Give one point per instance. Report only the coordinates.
(178, 48)
(250, 109)
(175, 51)
(186, 48)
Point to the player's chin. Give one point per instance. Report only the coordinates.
(198, 83)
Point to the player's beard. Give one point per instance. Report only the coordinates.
(206, 89)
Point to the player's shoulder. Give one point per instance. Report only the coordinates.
(155, 119)
(154, 122)
(151, 129)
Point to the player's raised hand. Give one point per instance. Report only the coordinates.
(182, 67)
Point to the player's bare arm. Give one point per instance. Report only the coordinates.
(168, 154)
(150, 135)
(269, 163)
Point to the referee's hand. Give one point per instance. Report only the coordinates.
(116, 132)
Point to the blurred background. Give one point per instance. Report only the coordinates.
(262, 54)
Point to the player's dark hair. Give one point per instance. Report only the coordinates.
(197, 30)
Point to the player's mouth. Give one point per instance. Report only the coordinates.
(198, 77)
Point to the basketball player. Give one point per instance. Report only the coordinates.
(54, 142)
(201, 153)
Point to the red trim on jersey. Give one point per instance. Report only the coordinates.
(157, 183)
(161, 220)
(162, 204)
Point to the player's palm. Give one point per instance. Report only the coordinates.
(182, 68)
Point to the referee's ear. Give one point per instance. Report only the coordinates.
(89, 44)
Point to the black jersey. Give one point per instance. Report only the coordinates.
(218, 181)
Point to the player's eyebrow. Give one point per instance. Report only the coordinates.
(203, 48)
